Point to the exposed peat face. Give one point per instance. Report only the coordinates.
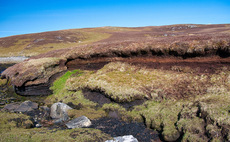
(197, 64)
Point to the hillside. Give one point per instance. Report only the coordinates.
(184, 36)
(34, 44)
(175, 79)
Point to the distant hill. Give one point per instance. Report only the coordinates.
(158, 36)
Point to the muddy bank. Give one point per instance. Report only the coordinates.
(198, 64)
(101, 98)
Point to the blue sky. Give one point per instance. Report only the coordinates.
(31, 16)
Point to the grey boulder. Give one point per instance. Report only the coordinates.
(11, 107)
(79, 122)
(23, 107)
(27, 106)
(127, 138)
(59, 112)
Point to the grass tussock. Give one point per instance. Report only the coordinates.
(13, 120)
(3, 82)
(124, 83)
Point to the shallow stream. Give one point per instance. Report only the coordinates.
(16, 59)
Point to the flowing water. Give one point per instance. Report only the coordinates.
(4, 67)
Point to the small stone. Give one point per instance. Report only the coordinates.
(79, 122)
(38, 125)
(2, 103)
(127, 138)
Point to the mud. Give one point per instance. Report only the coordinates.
(116, 127)
(100, 98)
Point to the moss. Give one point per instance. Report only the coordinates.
(9, 121)
(213, 132)
(59, 84)
(60, 93)
(170, 134)
(195, 125)
(188, 137)
(215, 107)
(41, 135)
(3, 82)
(80, 135)
(164, 114)
(218, 139)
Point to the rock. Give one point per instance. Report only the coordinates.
(79, 122)
(38, 125)
(59, 111)
(2, 103)
(26, 106)
(128, 138)
(11, 107)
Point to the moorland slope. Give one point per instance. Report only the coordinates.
(175, 79)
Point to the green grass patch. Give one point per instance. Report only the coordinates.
(59, 84)
(61, 93)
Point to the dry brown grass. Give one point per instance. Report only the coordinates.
(34, 44)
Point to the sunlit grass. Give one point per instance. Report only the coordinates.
(25, 46)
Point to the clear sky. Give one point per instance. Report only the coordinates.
(31, 16)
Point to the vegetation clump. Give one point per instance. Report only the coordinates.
(125, 83)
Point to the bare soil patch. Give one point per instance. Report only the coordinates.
(115, 127)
